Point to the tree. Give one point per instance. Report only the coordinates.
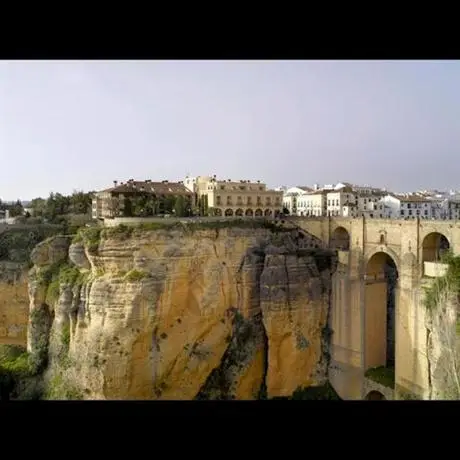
(180, 207)
(80, 202)
(38, 206)
(16, 209)
(169, 203)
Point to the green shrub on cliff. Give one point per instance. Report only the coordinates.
(383, 375)
(135, 275)
(190, 226)
(91, 237)
(121, 232)
(14, 369)
(59, 388)
(314, 393)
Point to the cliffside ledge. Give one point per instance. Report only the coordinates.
(217, 310)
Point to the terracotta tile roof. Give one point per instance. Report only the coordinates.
(305, 188)
(412, 198)
(157, 188)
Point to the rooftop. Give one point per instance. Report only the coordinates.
(161, 188)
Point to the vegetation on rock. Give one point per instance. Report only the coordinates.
(313, 393)
(135, 275)
(383, 375)
(18, 376)
(17, 242)
(442, 300)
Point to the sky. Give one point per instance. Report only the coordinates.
(80, 125)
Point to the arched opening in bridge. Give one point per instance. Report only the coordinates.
(434, 246)
(380, 304)
(340, 239)
(375, 396)
(229, 212)
(249, 212)
(218, 212)
(239, 212)
(258, 213)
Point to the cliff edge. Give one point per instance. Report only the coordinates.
(217, 310)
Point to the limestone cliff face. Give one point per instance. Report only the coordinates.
(443, 349)
(14, 303)
(228, 313)
(16, 243)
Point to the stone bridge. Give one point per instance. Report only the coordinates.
(379, 320)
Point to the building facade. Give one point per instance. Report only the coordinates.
(410, 206)
(142, 199)
(292, 196)
(313, 203)
(235, 198)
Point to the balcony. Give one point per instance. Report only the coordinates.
(434, 269)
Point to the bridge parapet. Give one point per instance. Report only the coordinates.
(434, 269)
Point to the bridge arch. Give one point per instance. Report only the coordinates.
(434, 245)
(340, 239)
(375, 396)
(380, 299)
(239, 212)
(249, 212)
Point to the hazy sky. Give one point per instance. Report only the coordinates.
(68, 125)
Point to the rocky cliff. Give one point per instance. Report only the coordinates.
(16, 244)
(218, 310)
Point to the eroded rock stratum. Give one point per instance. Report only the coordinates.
(182, 313)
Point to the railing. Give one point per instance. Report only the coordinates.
(434, 269)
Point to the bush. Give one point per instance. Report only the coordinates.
(383, 375)
(91, 237)
(135, 275)
(14, 368)
(59, 388)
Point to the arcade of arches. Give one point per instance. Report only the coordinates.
(240, 212)
(377, 299)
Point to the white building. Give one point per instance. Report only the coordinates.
(410, 207)
(340, 201)
(450, 209)
(313, 203)
(291, 197)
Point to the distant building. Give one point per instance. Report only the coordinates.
(140, 198)
(234, 198)
(292, 196)
(409, 206)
